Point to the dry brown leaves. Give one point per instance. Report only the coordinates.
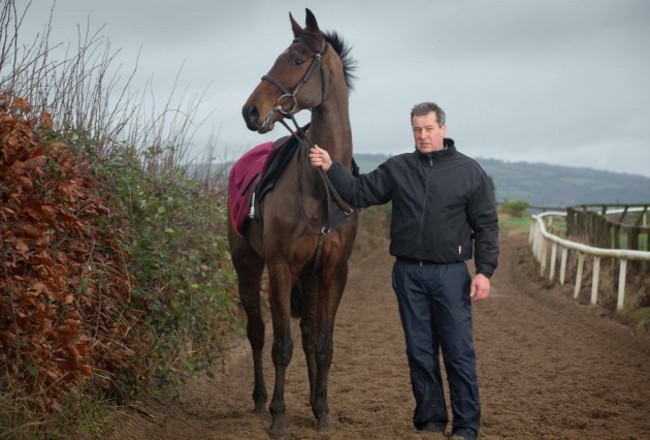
(63, 274)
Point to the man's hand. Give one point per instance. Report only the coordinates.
(319, 158)
(480, 288)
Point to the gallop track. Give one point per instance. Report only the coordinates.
(549, 368)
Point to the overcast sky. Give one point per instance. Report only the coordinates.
(555, 81)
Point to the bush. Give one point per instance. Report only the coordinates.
(178, 244)
(64, 266)
(114, 267)
(515, 208)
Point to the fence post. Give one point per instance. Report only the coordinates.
(616, 237)
(565, 253)
(581, 223)
(591, 232)
(594, 280)
(621, 284)
(581, 266)
(542, 265)
(633, 238)
(551, 274)
(604, 234)
(570, 222)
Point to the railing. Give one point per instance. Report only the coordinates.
(539, 239)
(603, 225)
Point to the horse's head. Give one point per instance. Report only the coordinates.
(295, 81)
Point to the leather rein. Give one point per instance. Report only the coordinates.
(289, 97)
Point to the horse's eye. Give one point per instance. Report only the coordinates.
(298, 62)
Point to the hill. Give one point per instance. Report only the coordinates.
(550, 185)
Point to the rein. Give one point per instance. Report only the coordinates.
(290, 98)
(331, 192)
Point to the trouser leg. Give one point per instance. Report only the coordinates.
(452, 311)
(422, 346)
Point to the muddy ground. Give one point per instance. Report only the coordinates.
(549, 368)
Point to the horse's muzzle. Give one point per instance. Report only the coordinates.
(251, 117)
(253, 120)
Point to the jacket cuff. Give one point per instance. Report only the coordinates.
(333, 168)
(485, 270)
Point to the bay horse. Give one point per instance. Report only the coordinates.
(293, 238)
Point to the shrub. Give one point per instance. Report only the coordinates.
(113, 263)
(515, 208)
(63, 264)
(178, 244)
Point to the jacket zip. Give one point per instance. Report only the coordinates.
(424, 202)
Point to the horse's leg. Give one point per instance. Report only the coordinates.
(333, 282)
(280, 283)
(308, 330)
(249, 267)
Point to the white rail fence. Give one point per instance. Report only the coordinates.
(540, 240)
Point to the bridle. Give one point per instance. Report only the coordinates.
(289, 97)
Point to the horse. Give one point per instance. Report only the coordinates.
(294, 238)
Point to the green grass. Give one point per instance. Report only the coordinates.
(515, 224)
(639, 318)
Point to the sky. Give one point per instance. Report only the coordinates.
(564, 82)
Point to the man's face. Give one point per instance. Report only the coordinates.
(428, 135)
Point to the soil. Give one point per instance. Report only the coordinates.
(549, 368)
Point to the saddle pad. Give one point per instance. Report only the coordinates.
(241, 181)
(257, 170)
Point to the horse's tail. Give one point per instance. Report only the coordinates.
(297, 302)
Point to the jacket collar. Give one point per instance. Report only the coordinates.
(450, 150)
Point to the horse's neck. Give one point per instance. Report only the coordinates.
(330, 128)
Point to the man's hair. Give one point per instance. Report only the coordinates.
(424, 108)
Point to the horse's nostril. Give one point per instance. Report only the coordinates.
(251, 116)
(253, 113)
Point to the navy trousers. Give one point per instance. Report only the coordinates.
(436, 313)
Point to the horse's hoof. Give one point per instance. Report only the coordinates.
(274, 435)
(325, 424)
(277, 431)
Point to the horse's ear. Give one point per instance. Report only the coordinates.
(297, 30)
(312, 25)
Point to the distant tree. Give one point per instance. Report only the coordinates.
(515, 208)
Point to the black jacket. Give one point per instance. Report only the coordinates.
(441, 202)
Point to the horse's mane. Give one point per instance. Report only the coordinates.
(343, 50)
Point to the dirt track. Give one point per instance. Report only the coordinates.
(549, 368)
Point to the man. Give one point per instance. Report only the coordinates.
(442, 208)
